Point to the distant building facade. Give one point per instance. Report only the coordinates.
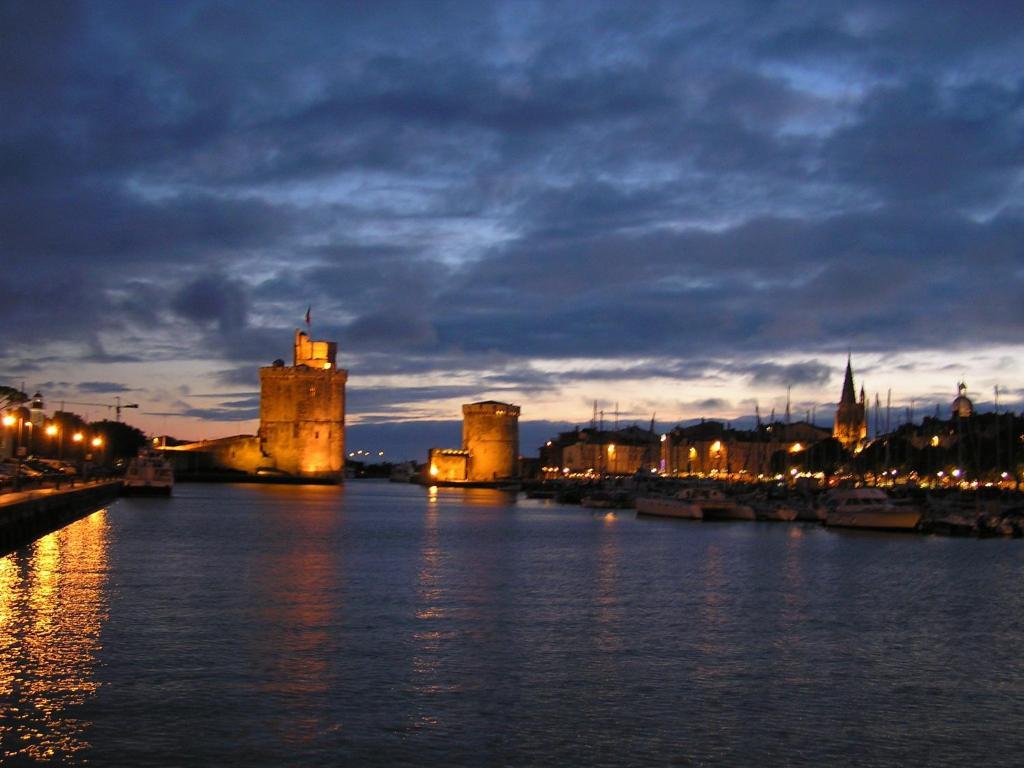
(613, 452)
(851, 422)
(712, 449)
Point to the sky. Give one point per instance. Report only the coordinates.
(677, 210)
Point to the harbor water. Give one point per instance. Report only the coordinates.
(385, 624)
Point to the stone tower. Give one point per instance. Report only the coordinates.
(490, 432)
(851, 424)
(302, 411)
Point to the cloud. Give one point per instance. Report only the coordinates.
(221, 414)
(660, 191)
(213, 298)
(106, 387)
(808, 372)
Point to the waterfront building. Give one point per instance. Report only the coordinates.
(448, 465)
(851, 423)
(711, 449)
(490, 434)
(302, 421)
(490, 446)
(605, 452)
(302, 411)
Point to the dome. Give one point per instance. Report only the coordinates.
(962, 407)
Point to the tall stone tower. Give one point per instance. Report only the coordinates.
(490, 432)
(851, 424)
(302, 411)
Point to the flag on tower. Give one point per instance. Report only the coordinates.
(309, 316)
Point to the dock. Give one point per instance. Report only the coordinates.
(27, 515)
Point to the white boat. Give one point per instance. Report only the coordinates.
(148, 474)
(695, 504)
(868, 508)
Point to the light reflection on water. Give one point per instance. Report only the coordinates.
(53, 604)
(391, 625)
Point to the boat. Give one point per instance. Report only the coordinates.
(777, 511)
(148, 474)
(695, 504)
(868, 508)
(773, 506)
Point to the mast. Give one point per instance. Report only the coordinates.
(998, 464)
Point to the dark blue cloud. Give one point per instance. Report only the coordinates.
(104, 387)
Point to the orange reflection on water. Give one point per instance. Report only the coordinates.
(53, 604)
(298, 601)
(427, 637)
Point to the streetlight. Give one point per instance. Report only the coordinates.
(9, 421)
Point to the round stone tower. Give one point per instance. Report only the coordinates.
(490, 432)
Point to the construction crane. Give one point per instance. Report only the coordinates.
(117, 406)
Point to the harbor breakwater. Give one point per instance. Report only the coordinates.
(27, 515)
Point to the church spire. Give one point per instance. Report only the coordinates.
(849, 396)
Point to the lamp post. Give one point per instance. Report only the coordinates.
(10, 420)
(53, 430)
(97, 444)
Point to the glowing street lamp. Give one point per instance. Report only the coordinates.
(78, 437)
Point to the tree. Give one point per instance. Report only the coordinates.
(120, 441)
(11, 397)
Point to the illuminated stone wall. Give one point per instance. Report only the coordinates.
(447, 465)
(240, 453)
(490, 432)
(302, 412)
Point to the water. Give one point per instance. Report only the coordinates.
(378, 625)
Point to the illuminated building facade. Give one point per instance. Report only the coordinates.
(490, 447)
(302, 411)
(448, 465)
(490, 434)
(614, 452)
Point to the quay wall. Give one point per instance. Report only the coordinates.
(27, 516)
